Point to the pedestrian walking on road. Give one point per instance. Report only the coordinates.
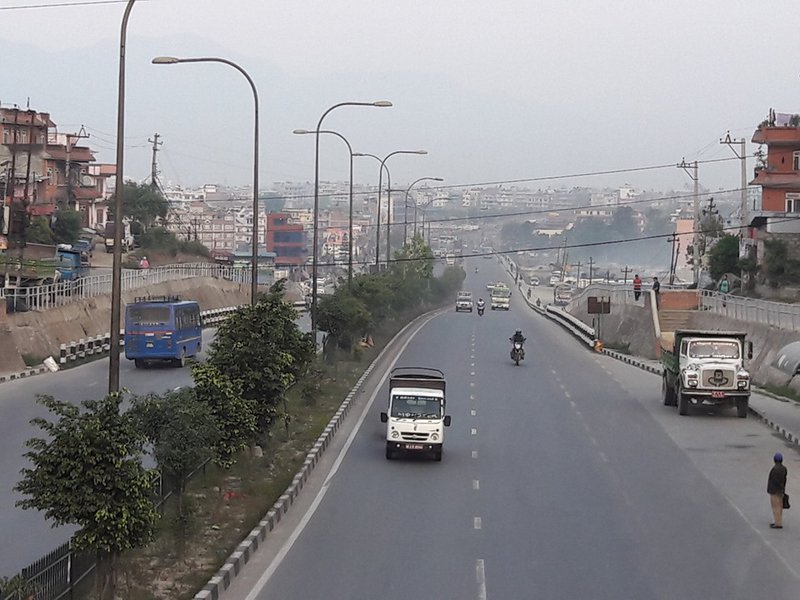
(637, 287)
(776, 487)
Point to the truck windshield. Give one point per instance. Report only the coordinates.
(501, 292)
(711, 349)
(416, 407)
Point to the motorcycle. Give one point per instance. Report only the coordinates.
(480, 311)
(517, 353)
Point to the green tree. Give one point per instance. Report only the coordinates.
(724, 256)
(780, 267)
(88, 472)
(343, 317)
(67, 226)
(142, 203)
(415, 258)
(623, 222)
(183, 433)
(235, 416)
(39, 232)
(261, 349)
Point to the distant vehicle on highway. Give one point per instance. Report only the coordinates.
(534, 280)
(464, 301)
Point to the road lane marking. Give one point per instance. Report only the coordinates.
(572, 403)
(567, 394)
(476, 484)
(473, 412)
(477, 524)
(480, 576)
(474, 454)
(287, 545)
(472, 373)
(471, 384)
(603, 457)
(594, 441)
(473, 431)
(472, 396)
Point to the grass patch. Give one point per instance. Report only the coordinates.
(784, 391)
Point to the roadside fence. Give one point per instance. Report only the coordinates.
(46, 297)
(773, 314)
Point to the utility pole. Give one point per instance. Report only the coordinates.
(673, 260)
(578, 277)
(691, 171)
(742, 156)
(72, 139)
(591, 269)
(154, 165)
(626, 270)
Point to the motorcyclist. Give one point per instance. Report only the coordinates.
(481, 304)
(518, 338)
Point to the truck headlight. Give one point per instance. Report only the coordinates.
(743, 380)
(395, 434)
(691, 378)
(434, 436)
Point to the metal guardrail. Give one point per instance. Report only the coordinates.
(46, 297)
(578, 328)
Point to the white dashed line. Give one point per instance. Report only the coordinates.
(480, 575)
(594, 441)
(473, 412)
(477, 524)
(603, 456)
(472, 373)
(471, 384)
(567, 394)
(472, 396)
(473, 431)
(572, 403)
(476, 484)
(474, 454)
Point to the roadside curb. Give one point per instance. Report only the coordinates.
(247, 548)
(38, 370)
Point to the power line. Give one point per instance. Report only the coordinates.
(64, 4)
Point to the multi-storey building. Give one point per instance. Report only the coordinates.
(286, 239)
(778, 174)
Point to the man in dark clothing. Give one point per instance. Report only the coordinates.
(776, 486)
(657, 290)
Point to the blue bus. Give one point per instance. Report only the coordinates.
(162, 329)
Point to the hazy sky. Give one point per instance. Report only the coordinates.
(494, 90)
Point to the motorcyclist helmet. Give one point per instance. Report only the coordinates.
(518, 332)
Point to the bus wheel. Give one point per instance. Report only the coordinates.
(138, 363)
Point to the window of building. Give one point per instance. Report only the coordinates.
(793, 203)
(796, 160)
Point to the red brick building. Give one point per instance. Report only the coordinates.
(286, 239)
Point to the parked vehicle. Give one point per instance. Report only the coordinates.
(127, 237)
(705, 368)
(415, 418)
(501, 297)
(73, 264)
(162, 329)
(464, 301)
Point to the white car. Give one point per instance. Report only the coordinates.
(464, 301)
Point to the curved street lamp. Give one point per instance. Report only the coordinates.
(405, 224)
(350, 220)
(388, 201)
(171, 60)
(378, 103)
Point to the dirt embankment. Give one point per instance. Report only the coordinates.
(40, 334)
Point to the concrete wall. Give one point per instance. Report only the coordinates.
(39, 334)
(627, 324)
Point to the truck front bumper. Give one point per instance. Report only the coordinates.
(412, 446)
(717, 397)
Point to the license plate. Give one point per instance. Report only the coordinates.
(414, 446)
(717, 394)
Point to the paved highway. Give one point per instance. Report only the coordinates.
(562, 478)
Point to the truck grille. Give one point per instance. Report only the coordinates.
(719, 378)
(412, 436)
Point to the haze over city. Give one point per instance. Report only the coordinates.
(494, 92)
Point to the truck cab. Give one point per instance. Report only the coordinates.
(415, 418)
(706, 368)
(501, 297)
(72, 264)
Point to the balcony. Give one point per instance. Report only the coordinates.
(777, 136)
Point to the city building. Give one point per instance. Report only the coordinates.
(286, 239)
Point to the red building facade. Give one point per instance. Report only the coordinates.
(286, 239)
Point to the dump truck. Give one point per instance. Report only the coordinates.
(705, 368)
(501, 297)
(415, 418)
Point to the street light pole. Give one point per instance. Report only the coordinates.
(405, 224)
(171, 60)
(389, 201)
(350, 220)
(379, 103)
(116, 269)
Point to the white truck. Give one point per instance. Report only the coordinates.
(415, 419)
(501, 297)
